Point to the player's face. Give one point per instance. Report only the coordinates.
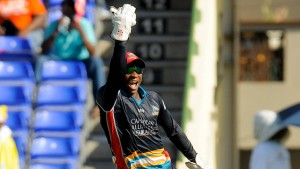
(133, 78)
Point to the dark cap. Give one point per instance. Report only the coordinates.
(130, 58)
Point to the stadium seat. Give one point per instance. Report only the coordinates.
(17, 73)
(90, 11)
(52, 3)
(15, 95)
(50, 149)
(18, 121)
(58, 121)
(15, 48)
(66, 73)
(56, 71)
(57, 95)
(21, 143)
(54, 13)
(53, 166)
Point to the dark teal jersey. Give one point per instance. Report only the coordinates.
(132, 127)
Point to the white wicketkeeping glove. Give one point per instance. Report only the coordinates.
(200, 164)
(122, 19)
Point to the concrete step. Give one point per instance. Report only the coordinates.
(97, 148)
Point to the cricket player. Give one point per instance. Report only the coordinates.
(130, 115)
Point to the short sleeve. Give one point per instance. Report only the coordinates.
(37, 7)
(88, 30)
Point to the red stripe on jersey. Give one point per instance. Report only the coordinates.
(115, 141)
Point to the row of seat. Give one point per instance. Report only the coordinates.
(46, 117)
(15, 48)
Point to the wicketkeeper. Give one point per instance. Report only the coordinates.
(130, 115)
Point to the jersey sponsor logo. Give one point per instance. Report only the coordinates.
(140, 110)
(143, 127)
(155, 110)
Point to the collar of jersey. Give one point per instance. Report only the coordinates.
(142, 92)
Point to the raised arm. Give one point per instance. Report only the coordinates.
(115, 76)
(123, 19)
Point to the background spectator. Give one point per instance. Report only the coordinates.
(24, 18)
(9, 158)
(72, 38)
(269, 153)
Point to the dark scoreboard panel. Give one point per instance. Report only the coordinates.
(161, 38)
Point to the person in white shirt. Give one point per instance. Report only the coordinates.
(270, 152)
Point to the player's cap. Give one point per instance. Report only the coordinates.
(266, 125)
(130, 58)
(3, 113)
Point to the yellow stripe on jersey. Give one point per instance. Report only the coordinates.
(151, 158)
(135, 154)
(148, 164)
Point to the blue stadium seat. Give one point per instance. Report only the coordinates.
(17, 73)
(52, 166)
(15, 48)
(52, 3)
(54, 13)
(66, 73)
(90, 11)
(58, 121)
(18, 121)
(57, 95)
(15, 95)
(63, 71)
(50, 149)
(22, 144)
